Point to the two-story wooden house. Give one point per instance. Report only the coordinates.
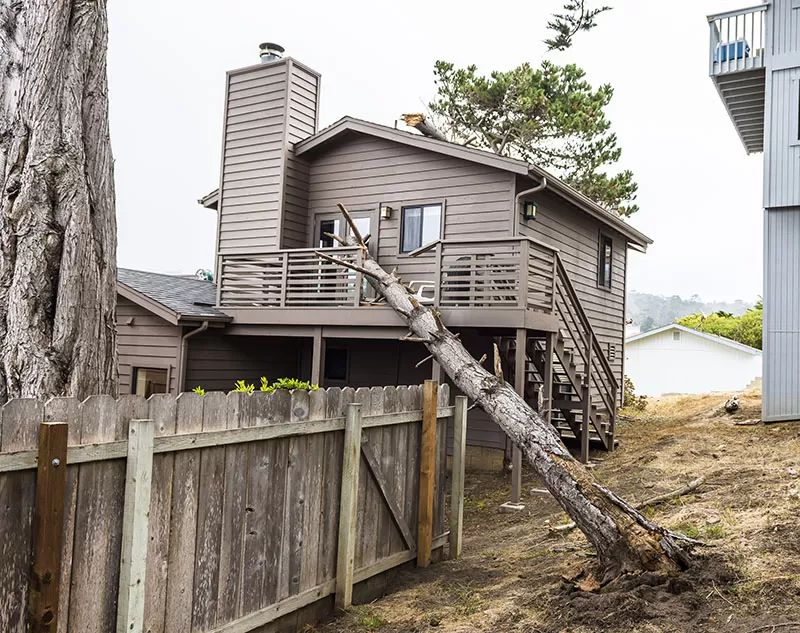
(507, 253)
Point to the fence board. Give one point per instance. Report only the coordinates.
(296, 494)
(209, 517)
(259, 468)
(66, 410)
(20, 426)
(162, 409)
(331, 477)
(363, 397)
(312, 523)
(277, 544)
(233, 515)
(183, 520)
(95, 565)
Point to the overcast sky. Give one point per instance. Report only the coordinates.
(700, 194)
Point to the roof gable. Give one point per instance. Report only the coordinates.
(324, 137)
(720, 340)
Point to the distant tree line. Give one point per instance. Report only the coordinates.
(649, 311)
(745, 328)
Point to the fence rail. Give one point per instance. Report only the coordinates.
(212, 514)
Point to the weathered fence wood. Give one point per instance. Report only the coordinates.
(347, 507)
(427, 467)
(233, 515)
(376, 470)
(162, 410)
(209, 517)
(244, 507)
(135, 527)
(48, 526)
(457, 493)
(67, 411)
(183, 520)
(98, 513)
(20, 426)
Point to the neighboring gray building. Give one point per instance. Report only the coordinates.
(508, 254)
(755, 64)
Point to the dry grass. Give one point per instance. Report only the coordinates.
(510, 578)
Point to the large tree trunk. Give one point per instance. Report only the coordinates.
(624, 539)
(57, 222)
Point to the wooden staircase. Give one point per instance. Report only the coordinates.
(581, 399)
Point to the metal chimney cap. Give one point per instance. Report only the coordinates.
(270, 51)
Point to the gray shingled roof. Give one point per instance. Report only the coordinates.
(188, 297)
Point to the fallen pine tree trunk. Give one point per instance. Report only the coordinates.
(624, 539)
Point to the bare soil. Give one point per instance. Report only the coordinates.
(512, 574)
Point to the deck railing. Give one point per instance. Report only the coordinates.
(738, 40)
(514, 272)
(495, 273)
(290, 278)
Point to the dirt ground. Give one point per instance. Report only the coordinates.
(511, 575)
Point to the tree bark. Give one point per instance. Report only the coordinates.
(625, 541)
(57, 217)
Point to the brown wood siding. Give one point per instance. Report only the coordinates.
(149, 342)
(365, 172)
(215, 361)
(252, 158)
(301, 123)
(577, 235)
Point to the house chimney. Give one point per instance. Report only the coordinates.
(270, 52)
(269, 107)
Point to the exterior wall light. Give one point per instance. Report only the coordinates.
(386, 212)
(530, 210)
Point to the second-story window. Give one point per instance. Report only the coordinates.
(421, 225)
(604, 262)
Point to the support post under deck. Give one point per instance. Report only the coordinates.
(520, 354)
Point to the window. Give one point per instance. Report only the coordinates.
(147, 381)
(604, 262)
(326, 229)
(421, 225)
(676, 335)
(336, 364)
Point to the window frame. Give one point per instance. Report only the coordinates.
(601, 240)
(441, 203)
(167, 369)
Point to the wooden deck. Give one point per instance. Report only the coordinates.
(474, 283)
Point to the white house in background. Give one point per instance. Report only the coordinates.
(678, 359)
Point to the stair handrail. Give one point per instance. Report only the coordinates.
(563, 277)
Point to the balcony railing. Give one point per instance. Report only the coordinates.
(290, 278)
(488, 274)
(738, 40)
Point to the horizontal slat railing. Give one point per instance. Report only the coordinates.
(495, 273)
(289, 278)
(737, 40)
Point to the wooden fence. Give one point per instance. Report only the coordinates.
(220, 513)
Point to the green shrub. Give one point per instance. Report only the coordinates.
(240, 386)
(199, 391)
(629, 397)
(288, 384)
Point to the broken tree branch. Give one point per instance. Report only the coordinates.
(652, 501)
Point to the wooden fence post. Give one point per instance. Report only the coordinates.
(427, 472)
(586, 413)
(48, 526)
(457, 494)
(135, 527)
(348, 505)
